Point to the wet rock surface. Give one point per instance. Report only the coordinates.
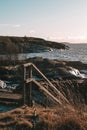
(65, 75)
(51, 68)
(59, 69)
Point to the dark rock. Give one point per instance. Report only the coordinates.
(13, 45)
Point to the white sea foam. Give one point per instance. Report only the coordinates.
(77, 73)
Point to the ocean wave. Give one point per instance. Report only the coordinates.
(77, 73)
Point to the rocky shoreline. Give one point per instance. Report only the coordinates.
(68, 78)
(14, 45)
(52, 68)
(61, 73)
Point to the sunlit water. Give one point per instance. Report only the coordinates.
(77, 52)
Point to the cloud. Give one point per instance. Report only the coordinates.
(70, 38)
(32, 31)
(77, 37)
(16, 26)
(10, 25)
(4, 25)
(54, 38)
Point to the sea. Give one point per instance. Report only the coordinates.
(76, 52)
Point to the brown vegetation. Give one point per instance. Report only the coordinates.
(59, 118)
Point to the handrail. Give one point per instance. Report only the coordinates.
(29, 80)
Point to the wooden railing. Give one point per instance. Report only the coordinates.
(30, 80)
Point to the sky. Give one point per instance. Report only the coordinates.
(57, 20)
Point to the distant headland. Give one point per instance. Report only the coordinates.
(14, 44)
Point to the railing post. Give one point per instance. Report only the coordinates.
(30, 87)
(24, 85)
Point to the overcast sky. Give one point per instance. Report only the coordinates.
(58, 20)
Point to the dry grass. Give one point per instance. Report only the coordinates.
(59, 118)
(66, 118)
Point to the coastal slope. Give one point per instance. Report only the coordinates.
(12, 44)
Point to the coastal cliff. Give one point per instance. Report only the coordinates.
(11, 44)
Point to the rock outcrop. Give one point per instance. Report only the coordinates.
(53, 68)
(11, 45)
